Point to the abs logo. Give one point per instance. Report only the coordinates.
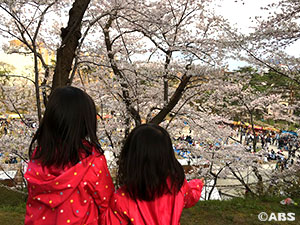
(263, 216)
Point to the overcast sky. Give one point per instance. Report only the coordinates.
(239, 15)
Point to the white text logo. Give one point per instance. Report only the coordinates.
(263, 216)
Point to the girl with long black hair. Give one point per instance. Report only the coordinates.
(68, 179)
(153, 186)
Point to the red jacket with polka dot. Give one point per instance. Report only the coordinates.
(165, 210)
(77, 194)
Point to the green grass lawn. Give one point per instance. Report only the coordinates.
(232, 212)
(238, 211)
(12, 207)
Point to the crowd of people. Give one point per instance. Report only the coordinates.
(8, 158)
(282, 147)
(4, 123)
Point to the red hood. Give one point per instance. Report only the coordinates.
(52, 183)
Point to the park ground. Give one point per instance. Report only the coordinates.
(237, 211)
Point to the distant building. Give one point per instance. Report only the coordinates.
(18, 60)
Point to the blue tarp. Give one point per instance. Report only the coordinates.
(290, 132)
(184, 154)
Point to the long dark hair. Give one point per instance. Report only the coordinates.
(69, 122)
(147, 161)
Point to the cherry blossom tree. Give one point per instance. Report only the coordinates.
(266, 46)
(25, 21)
(141, 61)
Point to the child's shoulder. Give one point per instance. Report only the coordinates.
(96, 158)
(95, 161)
(92, 152)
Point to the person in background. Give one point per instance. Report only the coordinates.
(68, 179)
(153, 189)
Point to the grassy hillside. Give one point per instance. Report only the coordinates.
(238, 212)
(232, 212)
(12, 207)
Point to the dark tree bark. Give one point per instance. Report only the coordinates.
(173, 100)
(70, 39)
(134, 113)
(124, 85)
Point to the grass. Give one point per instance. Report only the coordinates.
(237, 211)
(12, 207)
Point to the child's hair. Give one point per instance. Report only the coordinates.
(147, 161)
(69, 120)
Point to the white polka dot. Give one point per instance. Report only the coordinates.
(84, 183)
(104, 198)
(61, 211)
(44, 218)
(69, 185)
(38, 199)
(97, 183)
(85, 201)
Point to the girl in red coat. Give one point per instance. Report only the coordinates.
(153, 186)
(68, 179)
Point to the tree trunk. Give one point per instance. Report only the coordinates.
(70, 39)
(173, 101)
(253, 131)
(37, 86)
(166, 76)
(260, 185)
(124, 85)
(240, 179)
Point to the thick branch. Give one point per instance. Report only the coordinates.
(125, 93)
(241, 181)
(173, 100)
(70, 40)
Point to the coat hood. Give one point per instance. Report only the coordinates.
(48, 183)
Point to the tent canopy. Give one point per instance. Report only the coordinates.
(256, 127)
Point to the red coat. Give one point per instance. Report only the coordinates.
(165, 210)
(75, 195)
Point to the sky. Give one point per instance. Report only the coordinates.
(238, 13)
